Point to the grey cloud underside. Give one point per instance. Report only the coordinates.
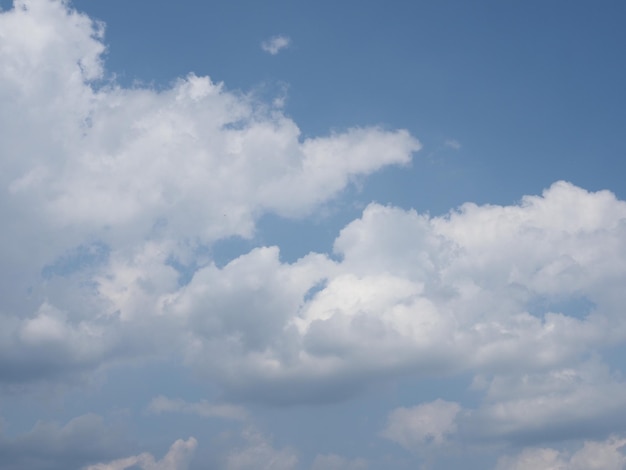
(49, 446)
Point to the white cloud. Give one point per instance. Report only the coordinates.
(203, 408)
(426, 294)
(594, 455)
(155, 177)
(336, 462)
(275, 44)
(422, 425)
(177, 458)
(151, 176)
(258, 452)
(532, 459)
(567, 402)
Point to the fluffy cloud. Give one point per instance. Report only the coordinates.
(106, 188)
(571, 402)
(113, 197)
(487, 289)
(258, 452)
(605, 455)
(177, 458)
(275, 44)
(426, 424)
(586, 401)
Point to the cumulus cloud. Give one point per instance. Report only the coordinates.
(482, 289)
(177, 458)
(426, 424)
(203, 408)
(50, 446)
(113, 197)
(570, 402)
(594, 455)
(106, 189)
(275, 44)
(258, 452)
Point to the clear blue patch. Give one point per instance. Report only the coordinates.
(239, 125)
(77, 259)
(613, 355)
(412, 391)
(187, 271)
(227, 249)
(299, 237)
(578, 306)
(321, 285)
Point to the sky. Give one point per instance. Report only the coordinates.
(292, 235)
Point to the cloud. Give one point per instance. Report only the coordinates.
(422, 425)
(90, 248)
(49, 446)
(571, 402)
(482, 290)
(336, 462)
(548, 459)
(258, 452)
(177, 458)
(276, 44)
(204, 409)
(453, 144)
(578, 402)
(594, 455)
(114, 197)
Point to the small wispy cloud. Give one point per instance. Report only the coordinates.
(163, 404)
(453, 144)
(275, 44)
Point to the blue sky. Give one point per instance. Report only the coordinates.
(289, 235)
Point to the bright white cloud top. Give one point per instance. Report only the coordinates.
(114, 198)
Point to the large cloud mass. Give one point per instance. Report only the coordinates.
(105, 188)
(112, 197)
(488, 289)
